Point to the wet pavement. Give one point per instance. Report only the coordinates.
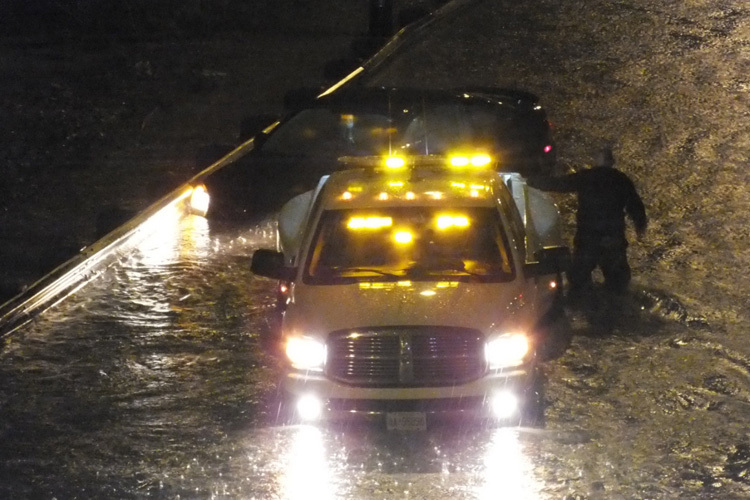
(154, 382)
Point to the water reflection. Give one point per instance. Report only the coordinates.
(307, 473)
(508, 471)
(175, 239)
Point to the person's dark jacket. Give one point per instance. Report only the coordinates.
(605, 195)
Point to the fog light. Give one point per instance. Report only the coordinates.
(309, 407)
(504, 404)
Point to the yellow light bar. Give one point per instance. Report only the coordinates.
(480, 160)
(476, 160)
(446, 221)
(369, 222)
(459, 161)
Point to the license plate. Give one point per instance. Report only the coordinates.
(406, 421)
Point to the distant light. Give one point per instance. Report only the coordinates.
(427, 293)
(347, 195)
(383, 196)
(547, 148)
(410, 195)
(199, 200)
(553, 284)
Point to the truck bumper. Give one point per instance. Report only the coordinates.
(496, 396)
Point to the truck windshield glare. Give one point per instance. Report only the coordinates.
(419, 243)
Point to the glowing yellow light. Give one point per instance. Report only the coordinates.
(435, 195)
(428, 293)
(474, 193)
(459, 161)
(410, 195)
(394, 162)
(447, 284)
(199, 200)
(460, 185)
(383, 196)
(396, 184)
(405, 283)
(480, 160)
(403, 237)
(347, 195)
(446, 221)
(369, 222)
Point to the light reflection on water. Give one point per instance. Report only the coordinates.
(306, 473)
(508, 471)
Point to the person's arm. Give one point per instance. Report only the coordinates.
(636, 210)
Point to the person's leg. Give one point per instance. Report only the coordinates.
(615, 268)
(585, 257)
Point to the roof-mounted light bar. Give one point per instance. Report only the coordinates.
(396, 163)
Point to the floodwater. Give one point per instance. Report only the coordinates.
(153, 381)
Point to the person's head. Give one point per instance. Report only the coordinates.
(605, 158)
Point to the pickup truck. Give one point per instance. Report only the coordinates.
(415, 290)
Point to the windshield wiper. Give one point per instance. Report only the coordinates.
(344, 270)
(440, 266)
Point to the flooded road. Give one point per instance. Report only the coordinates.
(154, 383)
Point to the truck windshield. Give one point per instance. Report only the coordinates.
(409, 243)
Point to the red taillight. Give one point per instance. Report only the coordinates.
(547, 148)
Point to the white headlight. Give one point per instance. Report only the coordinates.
(306, 353)
(309, 407)
(506, 350)
(504, 404)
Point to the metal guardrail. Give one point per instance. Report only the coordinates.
(94, 260)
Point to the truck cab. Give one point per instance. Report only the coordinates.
(414, 289)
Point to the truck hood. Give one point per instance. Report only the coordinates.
(318, 310)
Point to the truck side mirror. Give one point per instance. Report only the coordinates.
(549, 260)
(270, 264)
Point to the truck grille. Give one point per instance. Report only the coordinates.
(406, 356)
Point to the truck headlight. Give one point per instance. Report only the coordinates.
(506, 350)
(306, 353)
